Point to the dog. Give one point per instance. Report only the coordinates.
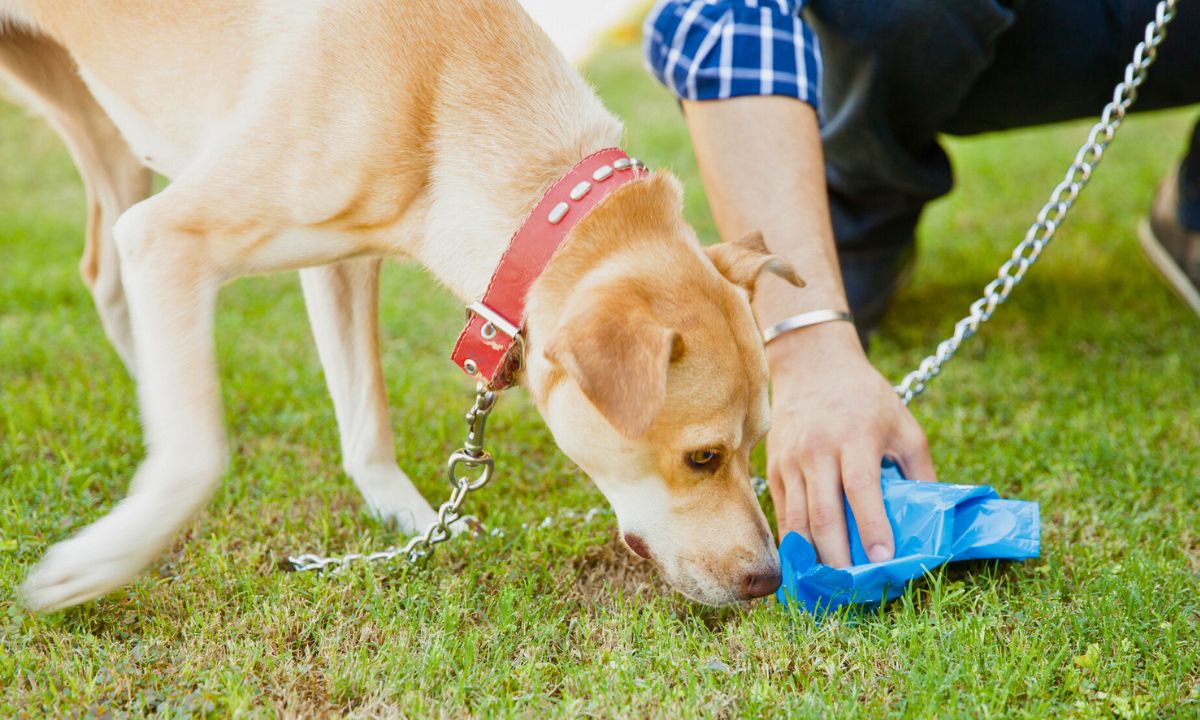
(327, 135)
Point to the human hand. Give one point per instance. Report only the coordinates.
(834, 418)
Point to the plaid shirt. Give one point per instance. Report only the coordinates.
(715, 49)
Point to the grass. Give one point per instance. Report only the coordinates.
(1082, 395)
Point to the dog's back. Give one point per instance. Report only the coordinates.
(343, 92)
(190, 65)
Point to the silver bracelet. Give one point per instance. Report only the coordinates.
(803, 320)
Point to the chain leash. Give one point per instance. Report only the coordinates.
(471, 456)
(1054, 212)
(1051, 217)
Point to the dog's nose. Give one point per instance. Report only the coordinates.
(759, 584)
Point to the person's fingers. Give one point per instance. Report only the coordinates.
(792, 510)
(913, 453)
(778, 495)
(860, 477)
(827, 511)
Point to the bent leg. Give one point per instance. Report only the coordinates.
(343, 309)
(1061, 59)
(1096, 42)
(894, 72)
(898, 74)
(114, 179)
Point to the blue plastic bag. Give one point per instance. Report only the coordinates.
(933, 523)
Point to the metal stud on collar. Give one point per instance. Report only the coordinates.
(559, 211)
(580, 190)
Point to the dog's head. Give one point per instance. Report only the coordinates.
(647, 364)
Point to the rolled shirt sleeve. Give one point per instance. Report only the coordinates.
(716, 49)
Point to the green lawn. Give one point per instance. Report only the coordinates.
(1082, 395)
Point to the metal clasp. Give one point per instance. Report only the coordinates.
(462, 457)
(494, 321)
(472, 454)
(477, 420)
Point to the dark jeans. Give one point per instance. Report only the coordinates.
(900, 72)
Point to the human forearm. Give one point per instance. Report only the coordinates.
(761, 160)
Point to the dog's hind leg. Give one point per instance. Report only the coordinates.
(343, 308)
(47, 77)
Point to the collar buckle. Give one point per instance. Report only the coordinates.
(495, 321)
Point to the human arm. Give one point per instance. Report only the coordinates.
(757, 140)
(834, 417)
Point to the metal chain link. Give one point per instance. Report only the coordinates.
(471, 456)
(1010, 274)
(1054, 212)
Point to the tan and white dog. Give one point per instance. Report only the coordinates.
(327, 135)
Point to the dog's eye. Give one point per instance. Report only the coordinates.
(699, 459)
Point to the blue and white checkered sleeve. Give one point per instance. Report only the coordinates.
(715, 49)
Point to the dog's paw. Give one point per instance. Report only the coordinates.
(407, 519)
(68, 576)
(392, 498)
(100, 558)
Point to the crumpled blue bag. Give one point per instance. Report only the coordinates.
(933, 523)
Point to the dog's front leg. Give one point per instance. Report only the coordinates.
(176, 249)
(343, 308)
(171, 284)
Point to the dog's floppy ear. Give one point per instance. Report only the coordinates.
(620, 361)
(741, 262)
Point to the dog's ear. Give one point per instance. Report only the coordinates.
(620, 362)
(741, 262)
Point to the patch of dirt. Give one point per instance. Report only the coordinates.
(609, 569)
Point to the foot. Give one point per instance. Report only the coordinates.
(1172, 248)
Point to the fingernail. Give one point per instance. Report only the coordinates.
(879, 553)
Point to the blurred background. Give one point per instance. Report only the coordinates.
(576, 26)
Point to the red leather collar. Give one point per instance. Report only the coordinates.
(490, 347)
